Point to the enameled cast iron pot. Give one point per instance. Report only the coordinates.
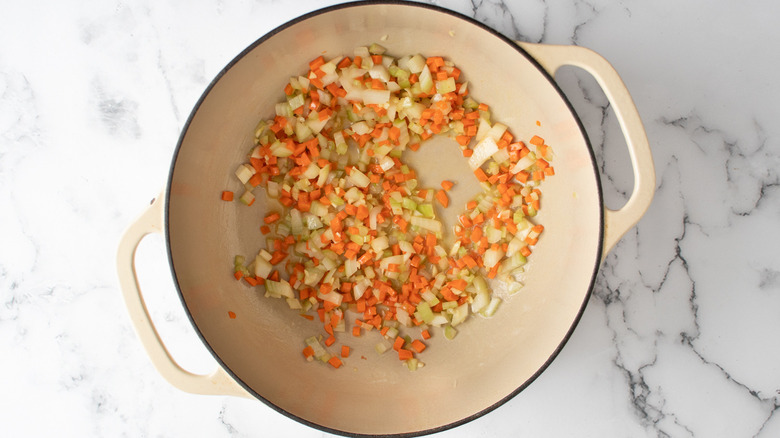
(491, 360)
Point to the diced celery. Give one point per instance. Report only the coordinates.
(450, 332)
(392, 332)
(426, 210)
(376, 49)
(381, 347)
(460, 314)
(409, 204)
(427, 224)
(247, 198)
(296, 101)
(424, 312)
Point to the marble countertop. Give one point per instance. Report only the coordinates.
(680, 337)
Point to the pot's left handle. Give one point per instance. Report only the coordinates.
(216, 383)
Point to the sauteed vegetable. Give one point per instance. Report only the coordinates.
(354, 233)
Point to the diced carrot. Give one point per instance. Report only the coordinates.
(344, 63)
(316, 63)
(447, 185)
(308, 351)
(404, 354)
(399, 342)
(335, 362)
(462, 140)
(418, 346)
(426, 334)
(441, 196)
(227, 195)
(271, 218)
(480, 174)
(522, 176)
(344, 351)
(231, 314)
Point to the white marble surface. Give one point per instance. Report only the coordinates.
(679, 339)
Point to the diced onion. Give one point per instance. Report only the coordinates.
(482, 152)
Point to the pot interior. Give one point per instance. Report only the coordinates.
(490, 359)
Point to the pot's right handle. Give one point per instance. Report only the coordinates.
(617, 222)
(218, 382)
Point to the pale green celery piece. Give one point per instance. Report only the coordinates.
(450, 332)
(357, 239)
(262, 125)
(381, 347)
(409, 204)
(470, 103)
(296, 101)
(283, 230)
(376, 49)
(239, 260)
(426, 210)
(412, 364)
(425, 313)
(449, 305)
(335, 200)
(247, 198)
(399, 73)
(415, 89)
(395, 206)
(395, 153)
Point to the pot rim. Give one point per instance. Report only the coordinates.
(482, 26)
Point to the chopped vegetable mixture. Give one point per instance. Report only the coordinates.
(355, 233)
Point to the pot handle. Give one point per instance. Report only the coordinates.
(218, 382)
(617, 222)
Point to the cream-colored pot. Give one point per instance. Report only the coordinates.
(490, 360)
